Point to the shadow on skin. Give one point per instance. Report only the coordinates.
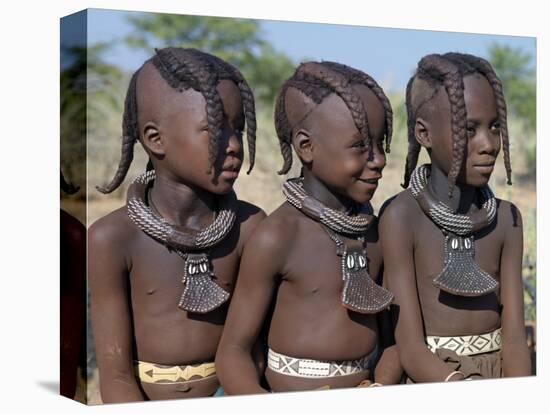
(485, 302)
(217, 316)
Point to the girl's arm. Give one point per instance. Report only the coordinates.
(515, 353)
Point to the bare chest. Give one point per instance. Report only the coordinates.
(444, 313)
(315, 268)
(429, 251)
(157, 274)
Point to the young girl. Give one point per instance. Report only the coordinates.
(308, 273)
(162, 268)
(452, 251)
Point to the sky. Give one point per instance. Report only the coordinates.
(388, 55)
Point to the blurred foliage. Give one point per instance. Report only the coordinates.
(73, 115)
(92, 92)
(515, 69)
(238, 41)
(530, 264)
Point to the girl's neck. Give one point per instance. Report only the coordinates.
(318, 190)
(463, 195)
(182, 204)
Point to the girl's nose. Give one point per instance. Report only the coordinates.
(377, 158)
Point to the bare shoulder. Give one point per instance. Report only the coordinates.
(249, 216)
(399, 211)
(276, 232)
(508, 214)
(113, 230)
(72, 229)
(110, 240)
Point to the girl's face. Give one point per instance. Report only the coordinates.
(483, 132)
(339, 155)
(184, 127)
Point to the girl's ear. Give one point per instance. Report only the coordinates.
(422, 132)
(152, 139)
(303, 145)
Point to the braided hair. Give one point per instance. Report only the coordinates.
(183, 69)
(67, 187)
(448, 71)
(317, 80)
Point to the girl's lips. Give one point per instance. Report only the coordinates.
(373, 181)
(485, 169)
(370, 183)
(229, 174)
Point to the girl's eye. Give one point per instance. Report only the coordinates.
(471, 131)
(495, 127)
(359, 145)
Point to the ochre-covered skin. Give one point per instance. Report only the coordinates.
(135, 281)
(290, 276)
(413, 247)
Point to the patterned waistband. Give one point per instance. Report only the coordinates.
(151, 373)
(467, 345)
(310, 368)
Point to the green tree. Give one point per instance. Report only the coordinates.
(73, 115)
(92, 94)
(515, 68)
(238, 41)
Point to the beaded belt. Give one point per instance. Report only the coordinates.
(467, 345)
(310, 368)
(165, 374)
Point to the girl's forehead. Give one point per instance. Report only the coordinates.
(372, 104)
(479, 98)
(333, 117)
(158, 100)
(230, 95)
(477, 87)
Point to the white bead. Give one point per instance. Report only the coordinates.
(203, 267)
(362, 262)
(454, 244)
(350, 261)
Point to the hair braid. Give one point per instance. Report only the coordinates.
(357, 76)
(449, 70)
(283, 129)
(250, 117)
(207, 79)
(414, 146)
(435, 66)
(130, 135)
(484, 67)
(183, 69)
(67, 187)
(317, 80)
(190, 71)
(340, 85)
(249, 107)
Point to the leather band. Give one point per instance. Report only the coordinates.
(151, 373)
(468, 344)
(310, 368)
